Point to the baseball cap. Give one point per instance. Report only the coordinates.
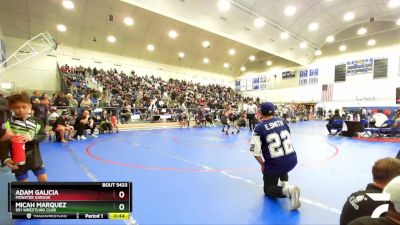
(393, 188)
(65, 113)
(267, 108)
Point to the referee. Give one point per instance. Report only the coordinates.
(251, 115)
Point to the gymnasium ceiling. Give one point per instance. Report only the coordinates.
(199, 20)
(89, 18)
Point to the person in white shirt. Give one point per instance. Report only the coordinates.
(152, 109)
(379, 118)
(244, 107)
(251, 115)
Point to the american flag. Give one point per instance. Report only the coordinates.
(327, 92)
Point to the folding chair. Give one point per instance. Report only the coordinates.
(387, 128)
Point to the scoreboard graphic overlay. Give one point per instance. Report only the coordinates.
(70, 200)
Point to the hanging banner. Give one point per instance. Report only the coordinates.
(256, 83)
(263, 82)
(303, 78)
(237, 85)
(313, 76)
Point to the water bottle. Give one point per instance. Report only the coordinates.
(18, 152)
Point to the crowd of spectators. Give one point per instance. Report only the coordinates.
(148, 96)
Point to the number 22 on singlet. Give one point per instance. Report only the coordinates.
(279, 144)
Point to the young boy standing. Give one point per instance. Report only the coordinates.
(29, 131)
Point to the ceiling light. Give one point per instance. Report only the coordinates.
(284, 35)
(206, 44)
(172, 34)
(181, 54)
(371, 42)
(150, 47)
(68, 4)
(61, 27)
(303, 45)
(111, 39)
(394, 3)
(206, 60)
(330, 38)
(362, 31)
(258, 22)
(269, 62)
(342, 48)
(128, 21)
(318, 52)
(252, 58)
(242, 68)
(349, 16)
(398, 22)
(226, 65)
(313, 26)
(290, 10)
(224, 5)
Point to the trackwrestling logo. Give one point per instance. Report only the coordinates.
(381, 197)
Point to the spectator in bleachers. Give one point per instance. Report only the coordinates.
(53, 116)
(40, 111)
(36, 95)
(105, 124)
(53, 99)
(82, 123)
(61, 100)
(126, 113)
(72, 102)
(44, 100)
(61, 127)
(86, 102)
(140, 90)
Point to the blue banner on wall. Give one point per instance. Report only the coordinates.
(313, 76)
(303, 78)
(237, 85)
(256, 83)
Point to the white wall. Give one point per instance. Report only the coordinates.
(381, 92)
(40, 73)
